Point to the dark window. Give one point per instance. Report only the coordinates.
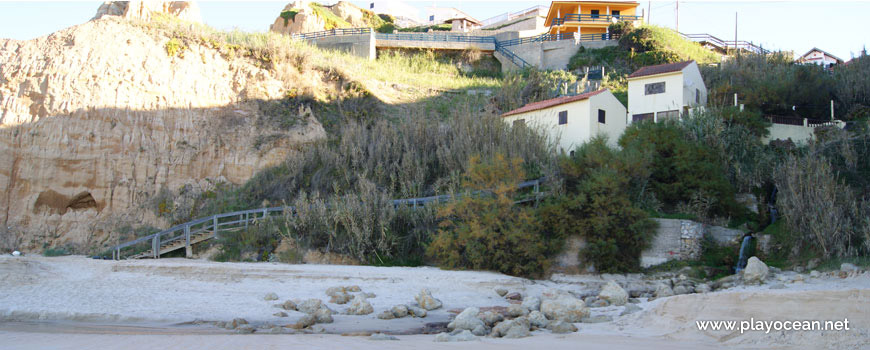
(665, 115)
(615, 13)
(601, 116)
(519, 122)
(563, 117)
(572, 154)
(431, 18)
(372, 5)
(594, 13)
(697, 96)
(654, 88)
(641, 117)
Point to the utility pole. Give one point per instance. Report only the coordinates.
(678, 16)
(648, 11)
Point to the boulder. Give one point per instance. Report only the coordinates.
(613, 293)
(516, 310)
(490, 318)
(703, 288)
(480, 330)
(683, 289)
(305, 321)
(280, 314)
(815, 274)
(245, 329)
(338, 295)
(309, 306)
(501, 291)
(270, 297)
(399, 311)
(563, 306)
(813, 263)
(386, 315)
(538, 320)
(235, 323)
(514, 296)
(663, 290)
(597, 303)
(279, 330)
(360, 306)
(777, 286)
(516, 328)
(467, 319)
(849, 268)
(756, 271)
(324, 315)
(532, 303)
(463, 335)
(560, 327)
(288, 305)
(426, 300)
(417, 311)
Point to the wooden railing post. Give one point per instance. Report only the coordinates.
(155, 246)
(188, 252)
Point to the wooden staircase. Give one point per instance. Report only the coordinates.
(168, 246)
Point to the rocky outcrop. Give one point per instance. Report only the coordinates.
(143, 10)
(562, 306)
(300, 17)
(613, 293)
(96, 119)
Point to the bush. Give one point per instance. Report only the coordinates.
(254, 244)
(174, 47)
(489, 231)
(682, 170)
(597, 206)
(55, 252)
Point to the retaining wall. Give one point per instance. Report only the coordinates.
(362, 45)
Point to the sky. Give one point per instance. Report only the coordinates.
(839, 27)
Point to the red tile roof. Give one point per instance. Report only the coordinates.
(552, 102)
(660, 69)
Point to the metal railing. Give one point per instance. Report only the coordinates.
(436, 37)
(517, 60)
(211, 226)
(331, 32)
(557, 37)
(798, 121)
(592, 18)
(725, 45)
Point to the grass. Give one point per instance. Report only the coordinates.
(670, 40)
(330, 20)
(55, 252)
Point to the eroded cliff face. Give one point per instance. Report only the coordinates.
(143, 10)
(301, 18)
(96, 118)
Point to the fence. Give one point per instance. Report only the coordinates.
(593, 18)
(798, 121)
(185, 234)
(724, 45)
(331, 32)
(436, 37)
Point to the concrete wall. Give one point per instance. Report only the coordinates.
(552, 54)
(614, 118)
(797, 133)
(362, 45)
(434, 45)
(693, 84)
(681, 240)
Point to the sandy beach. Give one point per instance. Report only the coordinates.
(80, 303)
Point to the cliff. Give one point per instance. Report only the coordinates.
(97, 118)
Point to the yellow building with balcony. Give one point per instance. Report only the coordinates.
(589, 17)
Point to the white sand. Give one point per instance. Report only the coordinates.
(37, 292)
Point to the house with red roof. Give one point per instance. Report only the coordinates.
(570, 121)
(666, 91)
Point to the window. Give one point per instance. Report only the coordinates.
(601, 116)
(654, 88)
(615, 13)
(594, 13)
(432, 18)
(372, 5)
(563, 117)
(641, 117)
(572, 154)
(665, 115)
(697, 96)
(519, 122)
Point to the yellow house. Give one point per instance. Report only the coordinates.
(589, 17)
(570, 121)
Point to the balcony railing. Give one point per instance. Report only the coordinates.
(593, 18)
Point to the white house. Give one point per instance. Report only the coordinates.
(438, 15)
(402, 11)
(463, 24)
(665, 91)
(820, 57)
(573, 120)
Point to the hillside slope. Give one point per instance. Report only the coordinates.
(97, 118)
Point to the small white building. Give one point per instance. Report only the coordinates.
(438, 15)
(463, 24)
(665, 91)
(398, 9)
(573, 120)
(820, 57)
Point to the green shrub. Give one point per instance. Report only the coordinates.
(330, 19)
(289, 15)
(253, 244)
(174, 47)
(682, 170)
(490, 232)
(55, 252)
(597, 207)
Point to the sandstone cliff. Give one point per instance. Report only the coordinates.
(97, 118)
(143, 10)
(303, 16)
